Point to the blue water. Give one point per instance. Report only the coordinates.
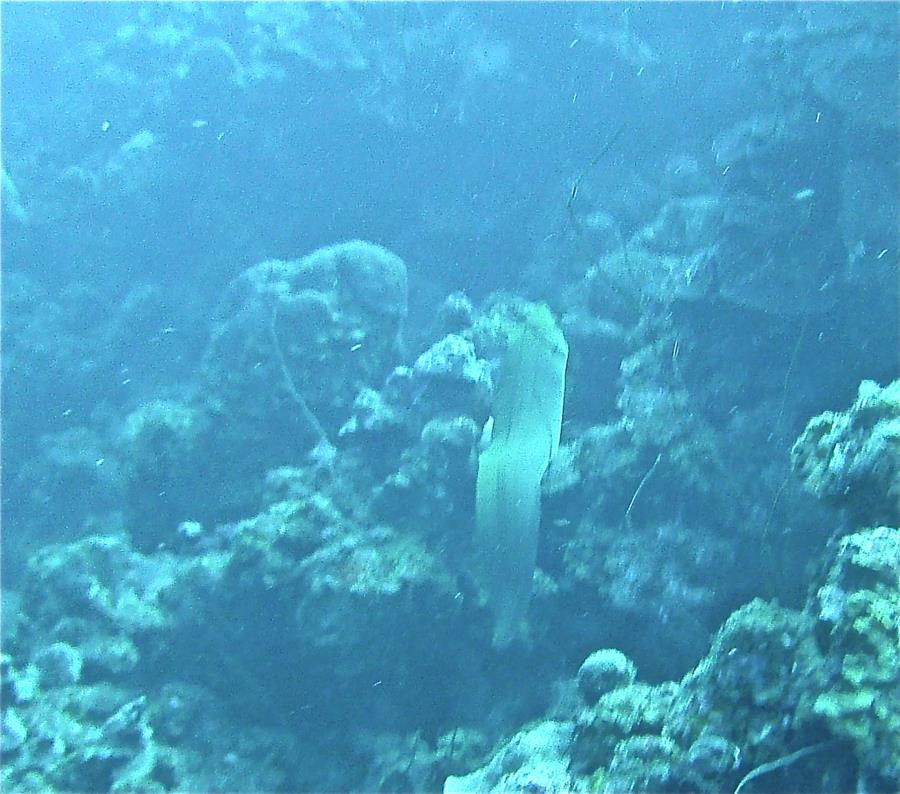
(241, 504)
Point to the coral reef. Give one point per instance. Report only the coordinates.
(532, 760)
(852, 458)
(858, 629)
(318, 327)
(784, 697)
(777, 251)
(241, 444)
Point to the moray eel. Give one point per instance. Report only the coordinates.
(528, 406)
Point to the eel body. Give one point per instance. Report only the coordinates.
(527, 413)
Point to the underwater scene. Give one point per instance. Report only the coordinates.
(450, 397)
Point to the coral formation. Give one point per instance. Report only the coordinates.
(783, 696)
(858, 629)
(852, 458)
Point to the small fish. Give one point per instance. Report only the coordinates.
(104, 127)
(804, 195)
(199, 124)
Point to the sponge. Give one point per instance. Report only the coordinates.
(528, 407)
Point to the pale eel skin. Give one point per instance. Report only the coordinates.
(528, 408)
